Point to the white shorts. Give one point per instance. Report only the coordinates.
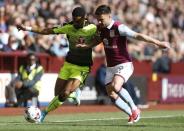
(125, 70)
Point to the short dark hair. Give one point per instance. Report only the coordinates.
(31, 54)
(103, 9)
(28, 56)
(79, 11)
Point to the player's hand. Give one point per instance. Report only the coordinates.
(165, 45)
(21, 27)
(81, 46)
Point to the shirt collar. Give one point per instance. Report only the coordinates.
(111, 24)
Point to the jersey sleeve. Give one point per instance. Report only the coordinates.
(92, 29)
(61, 29)
(126, 31)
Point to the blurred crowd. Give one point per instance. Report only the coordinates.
(161, 19)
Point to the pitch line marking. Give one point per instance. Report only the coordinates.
(108, 119)
(100, 119)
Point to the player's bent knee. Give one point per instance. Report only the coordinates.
(63, 96)
(117, 88)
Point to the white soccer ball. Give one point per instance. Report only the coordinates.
(32, 114)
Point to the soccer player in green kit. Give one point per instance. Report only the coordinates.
(78, 61)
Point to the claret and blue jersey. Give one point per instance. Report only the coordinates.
(115, 43)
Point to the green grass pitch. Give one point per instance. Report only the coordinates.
(112, 121)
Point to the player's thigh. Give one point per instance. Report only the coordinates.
(62, 79)
(59, 86)
(124, 70)
(64, 72)
(71, 85)
(80, 73)
(117, 82)
(77, 77)
(122, 73)
(113, 81)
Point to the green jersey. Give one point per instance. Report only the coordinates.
(82, 57)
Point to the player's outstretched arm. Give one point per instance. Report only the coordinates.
(44, 31)
(161, 44)
(126, 31)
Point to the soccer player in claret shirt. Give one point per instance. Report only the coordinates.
(114, 35)
(119, 64)
(78, 61)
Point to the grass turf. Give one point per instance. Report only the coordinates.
(117, 121)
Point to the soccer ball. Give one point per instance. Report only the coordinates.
(32, 114)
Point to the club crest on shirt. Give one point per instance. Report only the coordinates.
(112, 33)
(81, 40)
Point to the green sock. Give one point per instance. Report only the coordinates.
(55, 103)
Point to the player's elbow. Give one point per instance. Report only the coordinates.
(139, 36)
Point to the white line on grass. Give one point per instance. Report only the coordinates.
(99, 119)
(108, 119)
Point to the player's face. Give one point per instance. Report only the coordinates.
(78, 22)
(104, 19)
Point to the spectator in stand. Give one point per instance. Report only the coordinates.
(60, 46)
(100, 85)
(162, 63)
(12, 45)
(28, 45)
(3, 25)
(26, 85)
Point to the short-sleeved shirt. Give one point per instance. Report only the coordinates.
(81, 57)
(115, 43)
